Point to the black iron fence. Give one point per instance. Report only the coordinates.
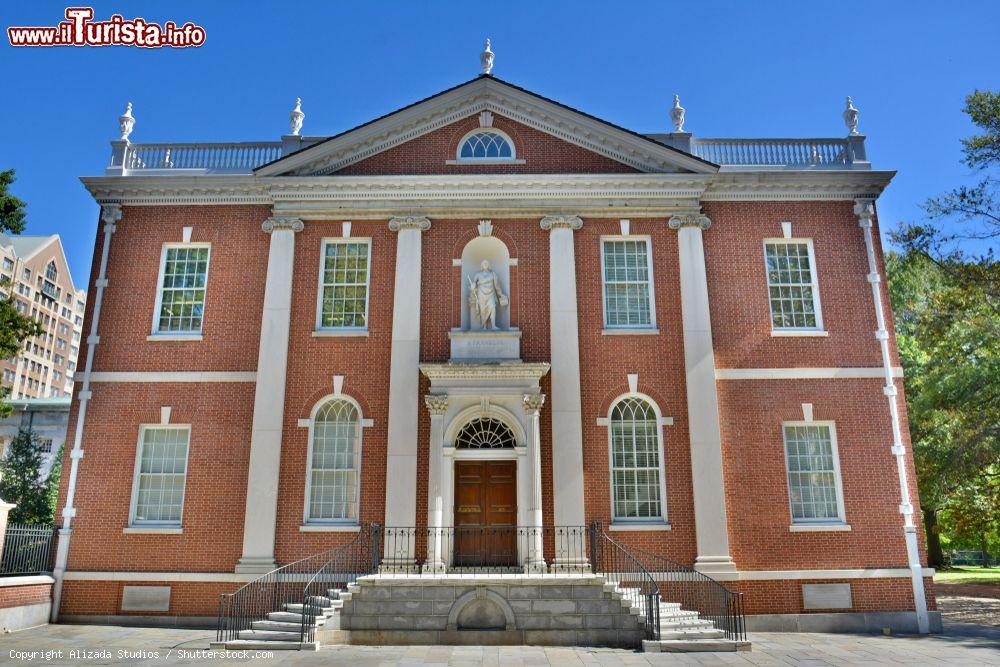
(26, 549)
(288, 587)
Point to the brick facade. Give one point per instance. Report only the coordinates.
(221, 413)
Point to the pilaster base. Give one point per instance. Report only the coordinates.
(571, 566)
(717, 567)
(399, 566)
(536, 567)
(434, 568)
(255, 565)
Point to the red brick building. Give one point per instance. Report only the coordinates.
(488, 308)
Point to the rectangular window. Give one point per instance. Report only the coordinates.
(792, 285)
(343, 281)
(160, 471)
(181, 295)
(813, 469)
(628, 279)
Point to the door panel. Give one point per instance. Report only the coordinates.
(486, 506)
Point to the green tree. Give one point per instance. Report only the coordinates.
(14, 327)
(55, 477)
(21, 481)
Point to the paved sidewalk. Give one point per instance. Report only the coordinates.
(146, 646)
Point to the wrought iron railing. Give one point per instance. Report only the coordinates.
(773, 152)
(422, 551)
(288, 584)
(696, 591)
(614, 561)
(26, 549)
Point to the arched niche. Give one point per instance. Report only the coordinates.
(495, 252)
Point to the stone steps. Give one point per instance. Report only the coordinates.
(256, 645)
(693, 646)
(292, 617)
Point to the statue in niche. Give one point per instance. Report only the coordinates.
(485, 296)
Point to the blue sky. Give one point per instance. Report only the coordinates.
(741, 69)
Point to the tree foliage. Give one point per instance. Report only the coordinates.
(14, 327)
(21, 481)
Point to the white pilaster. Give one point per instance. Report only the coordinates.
(269, 400)
(535, 556)
(567, 418)
(712, 534)
(865, 211)
(404, 383)
(437, 405)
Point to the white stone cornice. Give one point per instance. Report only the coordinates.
(272, 224)
(503, 371)
(556, 221)
(825, 185)
(409, 222)
(698, 220)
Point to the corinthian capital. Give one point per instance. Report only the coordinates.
(698, 220)
(557, 221)
(111, 213)
(865, 210)
(274, 224)
(533, 403)
(437, 404)
(409, 222)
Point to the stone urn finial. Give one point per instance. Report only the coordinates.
(486, 59)
(126, 122)
(296, 117)
(851, 117)
(677, 114)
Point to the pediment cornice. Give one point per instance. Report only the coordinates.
(486, 94)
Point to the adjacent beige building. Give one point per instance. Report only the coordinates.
(40, 283)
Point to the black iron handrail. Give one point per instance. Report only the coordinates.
(696, 591)
(256, 599)
(346, 563)
(614, 561)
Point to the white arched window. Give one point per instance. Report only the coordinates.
(332, 485)
(485, 144)
(638, 491)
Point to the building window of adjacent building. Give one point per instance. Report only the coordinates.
(160, 474)
(344, 275)
(627, 273)
(180, 302)
(334, 462)
(51, 272)
(813, 467)
(486, 145)
(792, 286)
(8, 264)
(638, 489)
(45, 444)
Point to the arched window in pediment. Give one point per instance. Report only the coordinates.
(486, 144)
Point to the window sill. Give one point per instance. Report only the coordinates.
(488, 161)
(805, 333)
(819, 527)
(174, 337)
(639, 526)
(152, 530)
(329, 528)
(339, 333)
(630, 332)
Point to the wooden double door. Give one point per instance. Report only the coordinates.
(485, 514)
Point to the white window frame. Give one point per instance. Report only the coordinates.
(195, 335)
(307, 519)
(320, 285)
(838, 482)
(652, 520)
(817, 304)
(513, 159)
(652, 290)
(135, 478)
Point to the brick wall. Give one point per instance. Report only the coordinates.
(22, 596)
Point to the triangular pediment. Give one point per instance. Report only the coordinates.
(486, 93)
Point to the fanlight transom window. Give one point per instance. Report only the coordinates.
(485, 433)
(486, 146)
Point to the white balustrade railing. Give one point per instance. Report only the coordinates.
(219, 158)
(773, 152)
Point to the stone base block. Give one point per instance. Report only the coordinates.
(871, 621)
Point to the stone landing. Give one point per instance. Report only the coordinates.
(508, 609)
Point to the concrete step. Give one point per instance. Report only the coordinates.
(325, 611)
(254, 645)
(292, 617)
(678, 615)
(691, 634)
(693, 645)
(670, 606)
(280, 626)
(268, 636)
